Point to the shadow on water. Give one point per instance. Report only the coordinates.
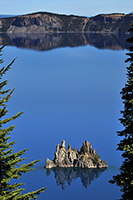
(44, 42)
(63, 175)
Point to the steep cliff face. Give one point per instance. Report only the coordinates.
(43, 22)
(109, 23)
(32, 23)
(85, 158)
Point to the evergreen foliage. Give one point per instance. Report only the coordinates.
(125, 178)
(10, 167)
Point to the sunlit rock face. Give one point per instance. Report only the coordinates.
(85, 158)
(44, 22)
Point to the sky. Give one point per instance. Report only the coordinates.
(76, 7)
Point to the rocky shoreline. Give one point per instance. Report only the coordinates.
(86, 157)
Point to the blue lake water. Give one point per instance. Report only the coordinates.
(71, 94)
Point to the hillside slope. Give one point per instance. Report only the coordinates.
(43, 22)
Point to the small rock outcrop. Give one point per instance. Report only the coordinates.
(85, 158)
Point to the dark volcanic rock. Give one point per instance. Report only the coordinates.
(85, 158)
(44, 22)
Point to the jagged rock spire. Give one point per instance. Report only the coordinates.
(85, 158)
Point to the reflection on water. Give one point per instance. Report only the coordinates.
(68, 174)
(54, 40)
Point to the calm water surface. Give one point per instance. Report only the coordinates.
(71, 94)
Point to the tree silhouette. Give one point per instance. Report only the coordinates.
(10, 167)
(125, 178)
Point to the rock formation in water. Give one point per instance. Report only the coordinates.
(85, 158)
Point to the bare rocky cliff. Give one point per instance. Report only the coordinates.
(43, 22)
(87, 157)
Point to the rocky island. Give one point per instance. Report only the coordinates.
(85, 158)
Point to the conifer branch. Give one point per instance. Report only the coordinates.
(10, 162)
